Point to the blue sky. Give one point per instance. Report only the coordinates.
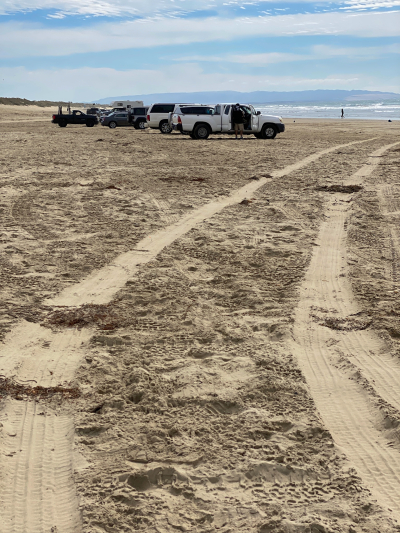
(84, 50)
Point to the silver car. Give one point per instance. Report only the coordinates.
(136, 118)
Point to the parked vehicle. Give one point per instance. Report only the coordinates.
(76, 117)
(115, 119)
(199, 123)
(105, 113)
(157, 117)
(136, 118)
(126, 105)
(189, 109)
(93, 111)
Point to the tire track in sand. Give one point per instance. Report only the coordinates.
(36, 450)
(38, 491)
(344, 405)
(389, 198)
(103, 284)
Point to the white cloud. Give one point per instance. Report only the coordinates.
(123, 7)
(266, 59)
(120, 8)
(56, 16)
(88, 83)
(367, 52)
(319, 52)
(250, 59)
(23, 40)
(191, 59)
(81, 7)
(370, 4)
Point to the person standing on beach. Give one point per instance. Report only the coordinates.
(238, 120)
(342, 114)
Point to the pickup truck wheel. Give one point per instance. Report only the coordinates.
(201, 131)
(268, 132)
(90, 124)
(62, 123)
(257, 135)
(112, 125)
(165, 127)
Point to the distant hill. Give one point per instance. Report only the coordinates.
(257, 97)
(40, 103)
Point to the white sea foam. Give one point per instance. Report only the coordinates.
(387, 110)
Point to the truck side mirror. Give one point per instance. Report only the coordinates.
(258, 113)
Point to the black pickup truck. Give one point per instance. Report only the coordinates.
(76, 117)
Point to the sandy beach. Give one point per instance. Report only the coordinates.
(199, 336)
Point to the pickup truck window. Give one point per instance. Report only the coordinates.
(217, 110)
(197, 110)
(139, 111)
(227, 108)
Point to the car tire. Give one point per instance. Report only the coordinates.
(89, 124)
(112, 125)
(201, 132)
(257, 135)
(140, 125)
(268, 132)
(165, 127)
(62, 123)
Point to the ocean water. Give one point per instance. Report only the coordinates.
(384, 110)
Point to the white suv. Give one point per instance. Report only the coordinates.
(157, 117)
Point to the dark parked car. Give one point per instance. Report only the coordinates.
(136, 117)
(76, 117)
(93, 111)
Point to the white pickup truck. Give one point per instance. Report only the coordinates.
(200, 121)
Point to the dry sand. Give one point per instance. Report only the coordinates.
(175, 360)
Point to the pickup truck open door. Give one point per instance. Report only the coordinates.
(251, 124)
(254, 119)
(226, 118)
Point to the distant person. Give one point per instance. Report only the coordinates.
(342, 114)
(238, 120)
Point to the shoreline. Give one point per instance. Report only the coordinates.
(24, 110)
